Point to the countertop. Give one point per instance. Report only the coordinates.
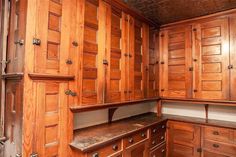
(90, 138)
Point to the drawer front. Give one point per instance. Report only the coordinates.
(211, 154)
(157, 140)
(135, 138)
(110, 150)
(218, 134)
(220, 147)
(159, 152)
(158, 128)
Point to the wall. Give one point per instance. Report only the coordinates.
(86, 119)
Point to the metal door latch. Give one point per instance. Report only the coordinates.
(69, 92)
(20, 42)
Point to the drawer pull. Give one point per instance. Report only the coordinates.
(163, 150)
(216, 145)
(162, 137)
(163, 126)
(154, 156)
(215, 133)
(131, 140)
(95, 155)
(115, 147)
(143, 135)
(153, 142)
(154, 130)
(36, 41)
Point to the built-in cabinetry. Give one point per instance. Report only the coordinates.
(194, 140)
(197, 59)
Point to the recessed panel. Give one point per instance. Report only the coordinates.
(212, 85)
(211, 68)
(211, 50)
(211, 32)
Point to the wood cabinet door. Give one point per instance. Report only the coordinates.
(52, 37)
(139, 55)
(91, 76)
(183, 139)
(153, 66)
(114, 78)
(211, 59)
(175, 63)
(50, 133)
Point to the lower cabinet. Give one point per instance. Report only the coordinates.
(193, 140)
(159, 151)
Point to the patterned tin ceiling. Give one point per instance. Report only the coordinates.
(167, 11)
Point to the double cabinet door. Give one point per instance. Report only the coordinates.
(196, 62)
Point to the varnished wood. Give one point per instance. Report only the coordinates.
(37, 76)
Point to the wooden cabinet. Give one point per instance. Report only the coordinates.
(159, 152)
(175, 62)
(184, 139)
(211, 59)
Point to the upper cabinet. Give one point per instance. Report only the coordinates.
(211, 59)
(52, 36)
(175, 62)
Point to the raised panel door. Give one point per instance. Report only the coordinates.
(50, 134)
(52, 36)
(175, 62)
(211, 60)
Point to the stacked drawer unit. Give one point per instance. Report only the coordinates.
(220, 142)
(158, 140)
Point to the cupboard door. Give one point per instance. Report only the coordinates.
(114, 84)
(51, 112)
(211, 60)
(153, 68)
(233, 57)
(139, 58)
(183, 139)
(52, 36)
(175, 70)
(92, 68)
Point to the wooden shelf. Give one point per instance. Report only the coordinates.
(39, 76)
(109, 105)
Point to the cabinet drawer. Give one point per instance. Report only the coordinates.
(218, 134)
(211, 154)
(158, 128)
(158, 139)
(135, 138)
(110, 150)
(220, 147)
(159, 152)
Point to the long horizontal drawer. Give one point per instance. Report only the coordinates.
(220, 147)
(108, 150)
(219, 134)
(135, 138)
(212, 154)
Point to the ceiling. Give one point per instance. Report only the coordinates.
(167, 11)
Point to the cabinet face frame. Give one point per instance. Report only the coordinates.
(211, 55)
(175, 52)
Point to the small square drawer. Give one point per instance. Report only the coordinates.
(159, 152)
(218, 134)
(158, 139)
(135, 138)
(158, 128)
(220, 147)
(111, 149)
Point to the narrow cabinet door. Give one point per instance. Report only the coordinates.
(139, 67)
(153, 68)
(51, 106)
(175, 62)
(52, 36)
(211, 60)
(114, 82)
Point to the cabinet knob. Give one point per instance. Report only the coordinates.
(18, 155)
(74, 43)
(190, 69)
(69, 61)
(20, 42)
(230, 67)
(163, 150)
(194, 29)
(36, 41)
(162, 90)
(105, 62)
(154, 130)
(195, 60)
(95, 155)
(163, 126)
(143, 135)
(162, 137)
(34, 155)
(153, 142)
(115, 147)
(216, 146)
(131, 140)
(195, 90)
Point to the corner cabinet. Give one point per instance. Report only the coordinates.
(197, 59)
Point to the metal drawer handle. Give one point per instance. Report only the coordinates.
(131, 140)
(216, 145)
(143, 135)
(216, 133)
(153, 142)
(95, 155)
(154, 130)
(162, 137)
(115, 147)
(163, 150)
(163, 126)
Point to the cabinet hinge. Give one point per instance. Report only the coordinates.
(191, 69)
(230, 67)
(69, 92)
(105, 62)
